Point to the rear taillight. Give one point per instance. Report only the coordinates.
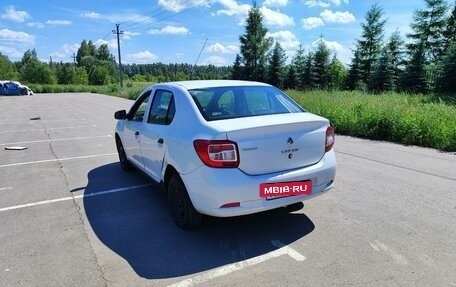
(329, 138)
(220, 154)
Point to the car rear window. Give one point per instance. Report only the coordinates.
(242, 101)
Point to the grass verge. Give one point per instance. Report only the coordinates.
(406, 119)
(130, 90)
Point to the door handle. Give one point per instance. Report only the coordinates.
(137, 133)
(160, 141)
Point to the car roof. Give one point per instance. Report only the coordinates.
(201, 84)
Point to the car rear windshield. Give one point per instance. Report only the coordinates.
(242, 101)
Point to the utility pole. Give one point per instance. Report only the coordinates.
(74, 58)
(117, 32)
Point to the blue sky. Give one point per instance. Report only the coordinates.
(175, 31)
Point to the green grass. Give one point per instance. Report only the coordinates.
(406, 119)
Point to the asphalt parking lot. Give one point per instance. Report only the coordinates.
(69, 216)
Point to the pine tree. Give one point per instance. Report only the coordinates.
(382, 77)
(291, 80)
(354, 71)
(450, 30)
(255, 45)
(308, 76)
(370, 44)
(395, 48)
(236, 70)
(446, 81)
(321, 62)
(415, 73)
(299, 63)
(428, 28)
(276, 71)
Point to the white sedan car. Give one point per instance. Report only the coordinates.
(226, 148)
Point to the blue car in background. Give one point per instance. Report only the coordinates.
(11, 88)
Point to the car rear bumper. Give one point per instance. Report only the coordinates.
(211, 188)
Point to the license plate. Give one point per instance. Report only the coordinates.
(281, 189)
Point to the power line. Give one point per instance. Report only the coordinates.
(159, 10)
(141, 27)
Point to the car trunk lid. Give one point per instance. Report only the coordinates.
(275, 143)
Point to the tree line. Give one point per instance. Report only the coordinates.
(96, 66)
(424, 63)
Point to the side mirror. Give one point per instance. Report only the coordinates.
(120, 115)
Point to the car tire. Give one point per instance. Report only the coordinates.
(124, 163)
(183, 213)
(24, 92)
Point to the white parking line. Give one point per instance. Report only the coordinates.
(230, 268)
(5, 188)
(42, 120)
(48, 129)
(93, 194)
(57, 140)
(57, 159)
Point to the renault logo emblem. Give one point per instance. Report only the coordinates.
(290, 142)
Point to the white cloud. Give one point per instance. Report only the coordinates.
(143, 57)
(339, 2)
(13, 53)
(127, 35)
(170, 30)
(214, 60)
(13, 44)
(316, 3)
(232, 8)
(324, 4)
(58, 22)
(337, 17)
(38, 25)
(17, 16)
(312, 23)
(65, 54)
(9, 36)
(288, 41)
(219, 48)
(112, 44)
(70, 48)
(275, 3)
(91, 15)
(275, 18)
(177, 6)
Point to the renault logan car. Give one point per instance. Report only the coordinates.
(226, 148)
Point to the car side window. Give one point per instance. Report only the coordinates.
(163, 109)
(139, 109)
